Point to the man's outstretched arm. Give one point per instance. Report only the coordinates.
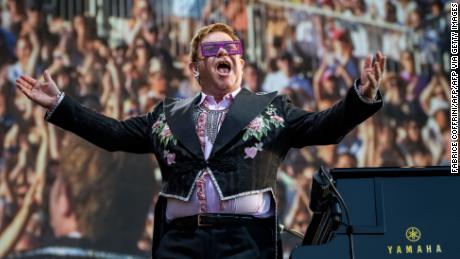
(331, 125)
(131, 135)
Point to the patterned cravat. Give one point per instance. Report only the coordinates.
(208, 122)
(207, 125)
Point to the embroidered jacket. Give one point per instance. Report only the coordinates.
(255, 136)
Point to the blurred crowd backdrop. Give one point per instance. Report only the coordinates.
(121, 57)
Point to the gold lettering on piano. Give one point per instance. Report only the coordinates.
(428, 249)
(408, 249)
(413, 235)
(414, 249)
(419, 249)
(390, 249)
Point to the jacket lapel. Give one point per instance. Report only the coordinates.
(179, 116)
(244, 108)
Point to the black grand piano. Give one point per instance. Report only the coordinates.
(394, 212)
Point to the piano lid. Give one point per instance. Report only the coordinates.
(396, 213)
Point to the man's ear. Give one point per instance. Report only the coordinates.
(242, 62)
(194, 68)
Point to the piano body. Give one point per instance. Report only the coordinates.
(395, 213)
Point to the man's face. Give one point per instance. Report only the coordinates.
(222, 73)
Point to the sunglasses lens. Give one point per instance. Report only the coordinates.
(232, 48)
(210, 49)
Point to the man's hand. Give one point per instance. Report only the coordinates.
(42, 93)
(372, 74)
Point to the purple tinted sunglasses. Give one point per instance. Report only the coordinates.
(210, 49)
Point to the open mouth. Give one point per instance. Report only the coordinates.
(224, 67)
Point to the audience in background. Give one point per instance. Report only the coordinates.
(312, 58)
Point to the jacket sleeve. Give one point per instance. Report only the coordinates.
(131, 135)
(331, 125)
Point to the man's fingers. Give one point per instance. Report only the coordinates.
(29, 80)
(377, 71)
(369, 70)
(368, 62)
(364, 74)
(48, 77)
(23, 89)
(381, 60)
(372, 79)
(24, 83)
(378, 56)
(383, 64)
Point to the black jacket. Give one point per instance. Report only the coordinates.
(255, 136)
(257, 133)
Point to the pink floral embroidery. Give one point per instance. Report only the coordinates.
(277, 118)
(166, 132)
(162, 130)
(251, 152)
(200, 192)
(157, 124)
(170, 157)
(263, 123)
(256, 124)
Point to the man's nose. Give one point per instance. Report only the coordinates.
(222, 52)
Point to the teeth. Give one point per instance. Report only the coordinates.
(223, 67)
(224, 63)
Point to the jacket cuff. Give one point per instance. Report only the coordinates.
(365, 99)
(50, 111)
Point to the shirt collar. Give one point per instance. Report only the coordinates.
(227, 96)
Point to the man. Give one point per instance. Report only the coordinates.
(91, 208)
(218, 151)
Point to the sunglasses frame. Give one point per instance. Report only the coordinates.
(221, 44)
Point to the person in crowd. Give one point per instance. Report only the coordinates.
(91, 208)
(437, 125)
(252, 77)
(412, 141)
(287, 77)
